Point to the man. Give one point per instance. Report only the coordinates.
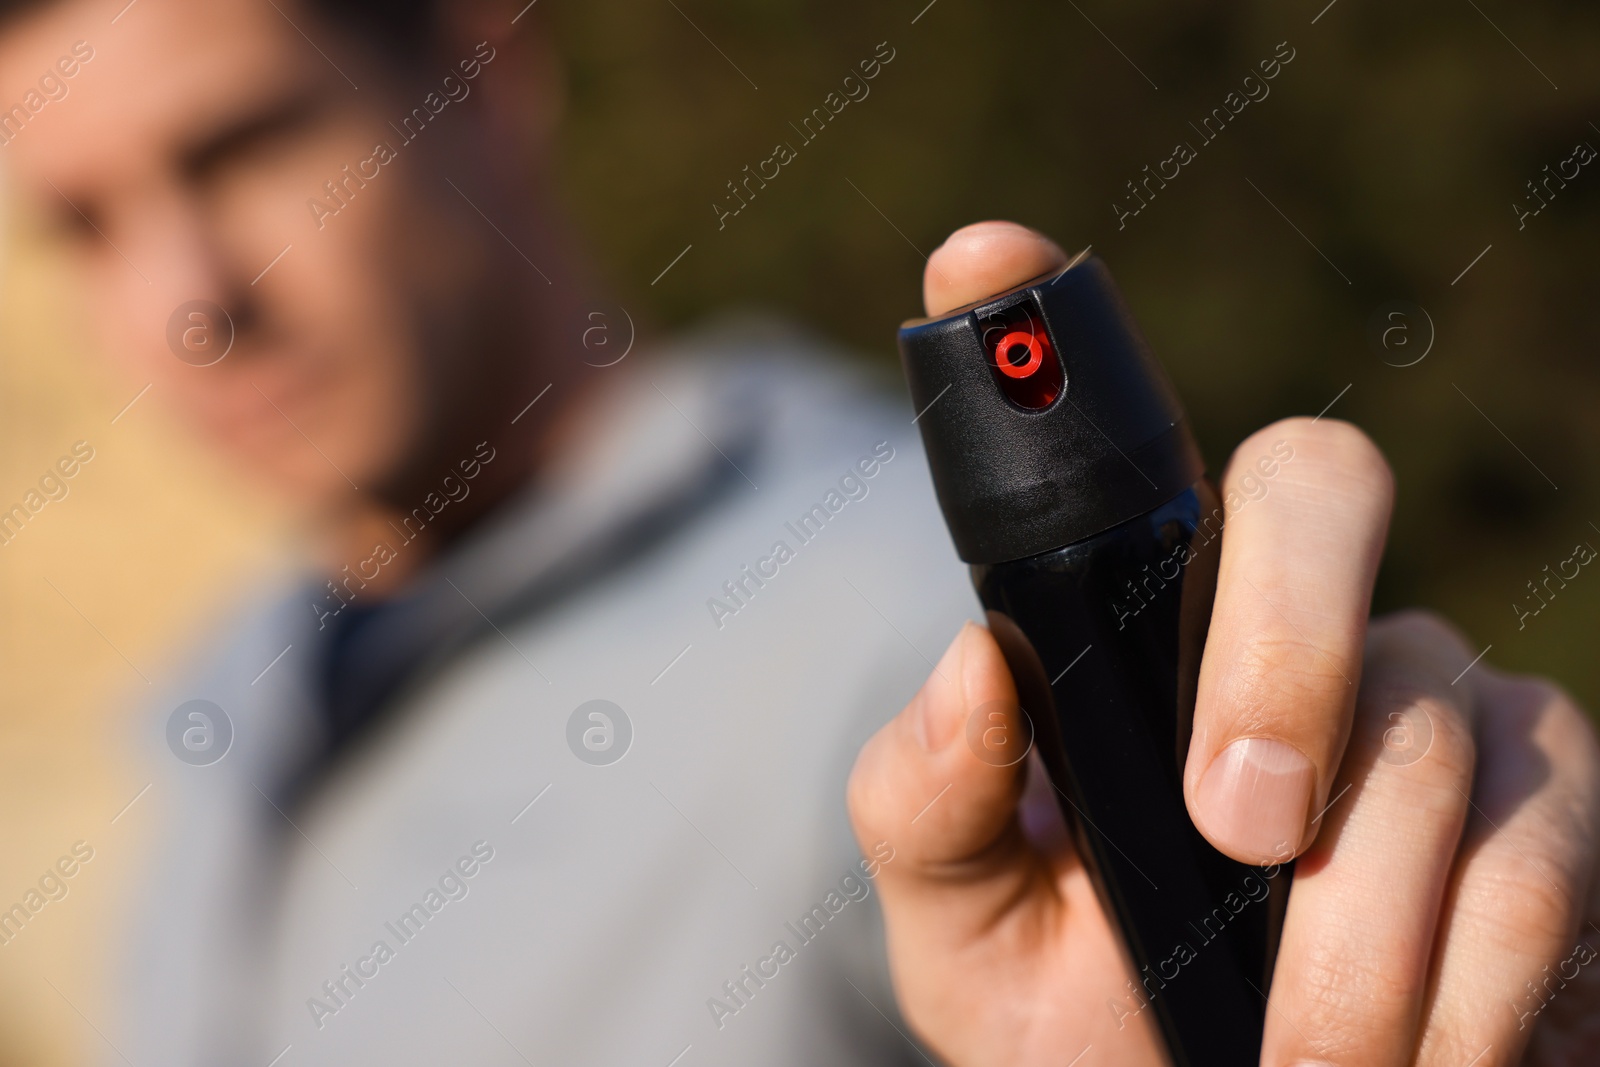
(545, 763)
(509, 529)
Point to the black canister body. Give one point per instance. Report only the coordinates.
(1071, 483)
(1104, 640)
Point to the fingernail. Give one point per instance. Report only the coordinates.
(1255, 796)
(942, 700)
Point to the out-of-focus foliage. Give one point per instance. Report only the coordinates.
(1397, 141)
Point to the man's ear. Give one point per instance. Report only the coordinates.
(523, 88)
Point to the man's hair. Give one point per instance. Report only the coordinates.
(400, 27)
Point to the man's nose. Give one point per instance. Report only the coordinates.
(180, 247)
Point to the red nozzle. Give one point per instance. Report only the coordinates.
(1027, 369)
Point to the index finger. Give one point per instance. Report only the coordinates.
(1307, 506)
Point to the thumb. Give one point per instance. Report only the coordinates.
(983, 259)
(939, 784)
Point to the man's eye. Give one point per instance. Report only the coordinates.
(77, 223)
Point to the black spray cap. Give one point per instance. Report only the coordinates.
(1045, 416)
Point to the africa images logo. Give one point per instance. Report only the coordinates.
(199, 733)
(599, 732)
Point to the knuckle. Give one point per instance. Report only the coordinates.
(1529, 864)
(1393, 704)
(1547, 695)
(1453, 743)
(1570, 727)
(1573, 821)
(1425, 747)
(1584, 748)
(1561, 732)
(1423, 626)
(1453, 751)
(866, 790)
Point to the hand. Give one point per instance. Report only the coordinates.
(1443, 909)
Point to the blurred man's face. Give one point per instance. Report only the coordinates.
(179, 158)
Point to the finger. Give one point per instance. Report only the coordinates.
(985, 901)
(1307, 506)
(949, 816)
(984, 259)
(961, 862)
(1518, 946)
(1358, 936)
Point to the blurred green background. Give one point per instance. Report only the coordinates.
(1397, 141)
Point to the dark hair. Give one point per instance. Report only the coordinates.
(402, 27)
(399, 27)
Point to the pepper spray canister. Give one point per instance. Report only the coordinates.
(1073, 487)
